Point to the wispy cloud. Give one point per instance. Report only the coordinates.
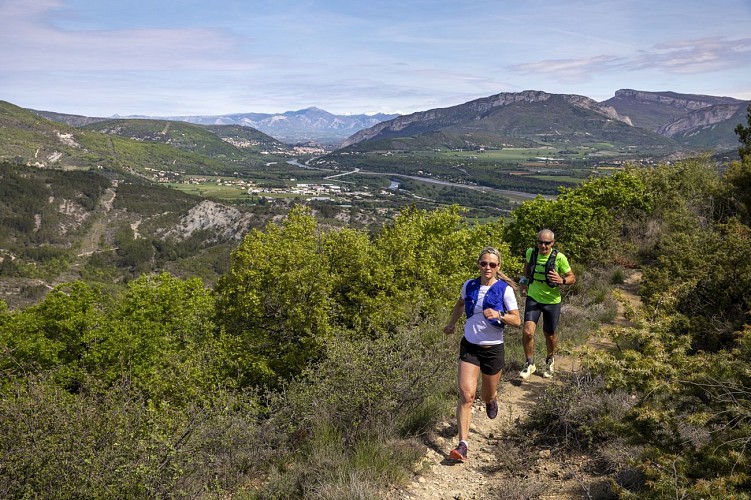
(678, 57)
(695, 56)
(39, 44)
(570, 70)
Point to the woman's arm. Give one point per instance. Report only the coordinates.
(455, 315)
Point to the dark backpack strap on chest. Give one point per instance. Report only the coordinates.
(529, 269)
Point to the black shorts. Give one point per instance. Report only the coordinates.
(490, 359)
(551, 313)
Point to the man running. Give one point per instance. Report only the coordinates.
(541, 283)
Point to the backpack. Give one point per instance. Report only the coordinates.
(494, 295)
(529, 269)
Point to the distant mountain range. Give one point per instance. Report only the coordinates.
(292, 127)
(305, 125)
(666, 120)
(524, 119)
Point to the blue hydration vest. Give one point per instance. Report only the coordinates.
(493, 299)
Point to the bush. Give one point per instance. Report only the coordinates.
(578, 414)
(116, 444)
(357, 410)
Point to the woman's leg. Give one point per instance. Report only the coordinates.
(489, 388)
(467, 388)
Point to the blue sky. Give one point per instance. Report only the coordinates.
(198, 57)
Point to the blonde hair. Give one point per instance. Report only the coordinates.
(498, 273)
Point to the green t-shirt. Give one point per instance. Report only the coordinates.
(539, 289)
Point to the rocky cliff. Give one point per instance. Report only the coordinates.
(701, 118)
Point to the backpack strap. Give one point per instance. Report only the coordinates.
(531, 266)
(472, 291)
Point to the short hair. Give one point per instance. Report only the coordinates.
(546, 231)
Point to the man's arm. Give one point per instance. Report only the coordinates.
(568, 278)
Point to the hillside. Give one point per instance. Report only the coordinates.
(133, 146)
(107, 227)
(521, 119)
(708, 128)
(697, 121)
(652, 110)
(658, 123)
(230, 142)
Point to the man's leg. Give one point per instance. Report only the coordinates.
(528, 342)
(551, 344)
(550, 316)
(528, 339)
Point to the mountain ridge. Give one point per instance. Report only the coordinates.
(693, 120)
(310, 124)
(681, 120)
(454, 114)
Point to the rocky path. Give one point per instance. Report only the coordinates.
(484, 475)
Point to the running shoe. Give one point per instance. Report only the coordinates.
(460, 452)
(549, 363)
(492, 409)
(529, 369)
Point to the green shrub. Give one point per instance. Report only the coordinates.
(116, 445)
(578, 414)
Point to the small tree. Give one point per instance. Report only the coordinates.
(744, 135)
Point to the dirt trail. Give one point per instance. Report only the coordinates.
(90, 241)
(482, 475)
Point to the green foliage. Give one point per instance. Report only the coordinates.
(586, 220)
(52, 333)
(275, 301)
(290, 286)
(736, 192)
(161, 336)
(369, 387)
(115, 444)
(691, 413)
(744, 135)
(704, 275)
(578, 414)
(356, 407)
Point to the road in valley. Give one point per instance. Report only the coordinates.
(505, 192)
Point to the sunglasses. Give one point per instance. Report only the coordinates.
(491, 265)
(544, 242)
